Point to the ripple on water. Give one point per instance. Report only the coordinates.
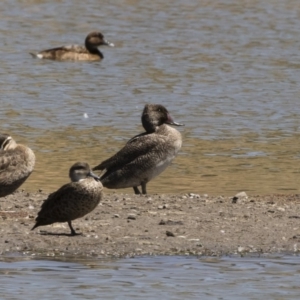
(152, 278)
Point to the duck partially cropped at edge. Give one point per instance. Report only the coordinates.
(89, 52)
(16, 164)
(144, 156)
(73, 200)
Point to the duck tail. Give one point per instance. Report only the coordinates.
(99, 167)
(96, 168)
(35, 226)
(36, 55)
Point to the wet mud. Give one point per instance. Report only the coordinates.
(156, 224)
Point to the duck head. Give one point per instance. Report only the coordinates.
(155, 115)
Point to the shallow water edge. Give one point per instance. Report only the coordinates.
(216, 167)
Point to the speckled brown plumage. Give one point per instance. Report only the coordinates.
(145, 155)
(89, 52)
(16, 164)
(72, 200)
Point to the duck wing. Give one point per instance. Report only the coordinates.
(9, 162)
(60, 52)
(57, 200)
(68, 48)
(135, 148)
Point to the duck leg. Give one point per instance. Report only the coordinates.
(144, 192)
(136, 190)
(73, 232)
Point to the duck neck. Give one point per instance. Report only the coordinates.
(148, 124)
(93, 50)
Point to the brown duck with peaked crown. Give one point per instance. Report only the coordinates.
(16, 164)
(73, 200)
(89, 52)
(145, 155)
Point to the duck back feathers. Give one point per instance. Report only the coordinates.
(16, 164)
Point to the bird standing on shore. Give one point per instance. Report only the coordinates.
(16, 164)
(73, 200)
(144, 156)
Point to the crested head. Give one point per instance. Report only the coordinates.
(81, 170)
(6, 142)
(155, 115)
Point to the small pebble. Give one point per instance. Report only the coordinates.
(131, 217)
(235, 199)
(169, 233)
(241, 195)
(241, 249)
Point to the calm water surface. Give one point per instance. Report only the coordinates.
(152, 278)
(227, 69)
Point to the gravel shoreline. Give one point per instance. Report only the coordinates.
(167, 224)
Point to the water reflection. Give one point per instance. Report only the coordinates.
(152, 278)
(226, 69)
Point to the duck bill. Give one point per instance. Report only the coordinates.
(170, 121)
(91, 174)
(176, 124)
(107, 43)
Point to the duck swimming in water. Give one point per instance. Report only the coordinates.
(16, 164)
(73, 200)
(144, 156)
(89, 52)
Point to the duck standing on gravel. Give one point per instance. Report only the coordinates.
(73, 200)
(16, 164)
(89, 52)
(145, 155)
